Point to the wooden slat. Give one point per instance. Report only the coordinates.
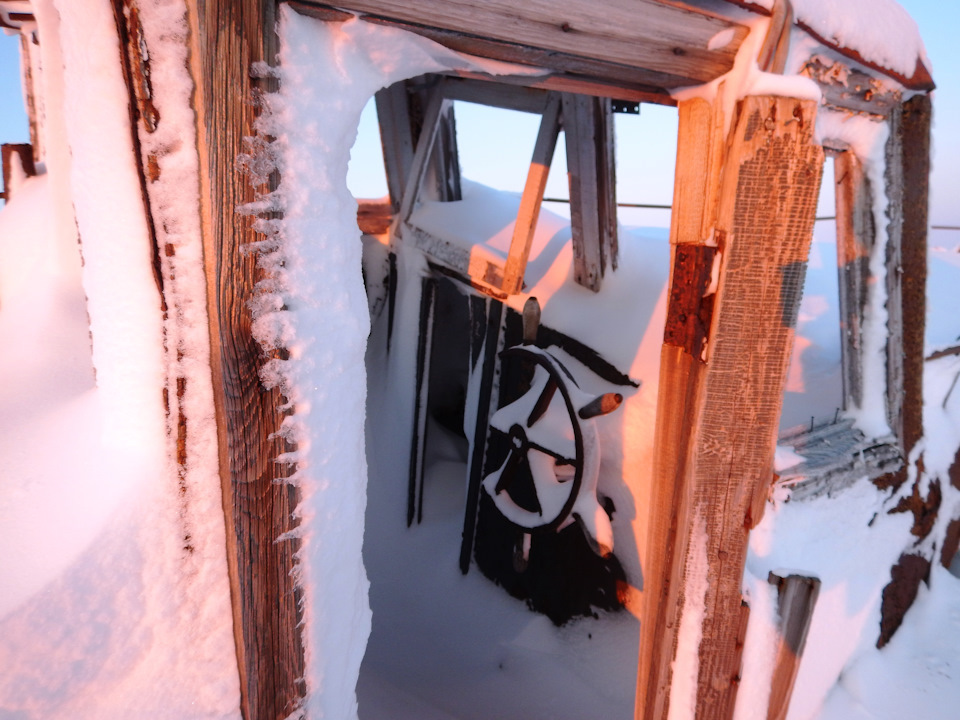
(910, 126)
(587, 127)
(718, 409)
(532, 198)
(418, 443)
(796, 599)
(396, 138)
(494, 94)
(226, 37)
(850, 88)
(668, 38)
(855, 241)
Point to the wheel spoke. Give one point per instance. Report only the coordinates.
(543, 402)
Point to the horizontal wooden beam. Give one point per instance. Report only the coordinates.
(669, 39)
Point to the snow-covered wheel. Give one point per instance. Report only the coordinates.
(551, 430)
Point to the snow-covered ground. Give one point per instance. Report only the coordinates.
(114, 600)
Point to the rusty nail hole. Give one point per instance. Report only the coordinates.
(679, 51)
(566, 27)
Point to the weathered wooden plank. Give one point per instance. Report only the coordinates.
(856, 237)
(30, 94)
(494, 94)
(418, 442)
(796, 599)
(485, 342)
(587, 127)
(396, 138)
(667, 38)
(532, 198)
(714, 463)
(776, 43)
(226, 37)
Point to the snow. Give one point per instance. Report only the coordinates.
(119, 602)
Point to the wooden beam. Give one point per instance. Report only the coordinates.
(396, 138)
(374, 216)
(494, 94)
(796, 599)
(721, 392)
(852, 89)
(532, 198)
(226, 37)
(856, 237)
(588, 129)
(670, 41)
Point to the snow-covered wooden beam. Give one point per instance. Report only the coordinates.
(226, 38)
(732, 308)
(658, 44)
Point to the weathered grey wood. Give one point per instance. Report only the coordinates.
(444, 171)
(226, 38)
(776, 44)
(666, 38)
(909, 166)
(420, 167)
(532, 197)
(27, 49)
(856, 237)
(396, 138)
(796, 600)
(494, 94)
(835, 455)
(850, 88)
(418, 442)
(718, 409)
(587, 127)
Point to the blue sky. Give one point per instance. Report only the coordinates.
(938, 23)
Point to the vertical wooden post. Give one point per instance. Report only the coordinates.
(226, 37)
(855, 240)
(796, 599)
(741, 239)
(588, 128)
(532, 197)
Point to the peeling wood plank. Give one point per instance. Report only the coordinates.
(532, 198)
(666, 38)
(494, 94)
(226, 37)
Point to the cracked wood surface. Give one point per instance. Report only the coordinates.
(719, 409)
(226, 37)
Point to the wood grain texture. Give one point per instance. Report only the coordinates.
(226, 37)
(668, 38)
(855, 242)
(24, 154)
(714, 460)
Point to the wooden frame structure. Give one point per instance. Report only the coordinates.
(744, 205)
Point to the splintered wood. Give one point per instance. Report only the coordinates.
(732, 310)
